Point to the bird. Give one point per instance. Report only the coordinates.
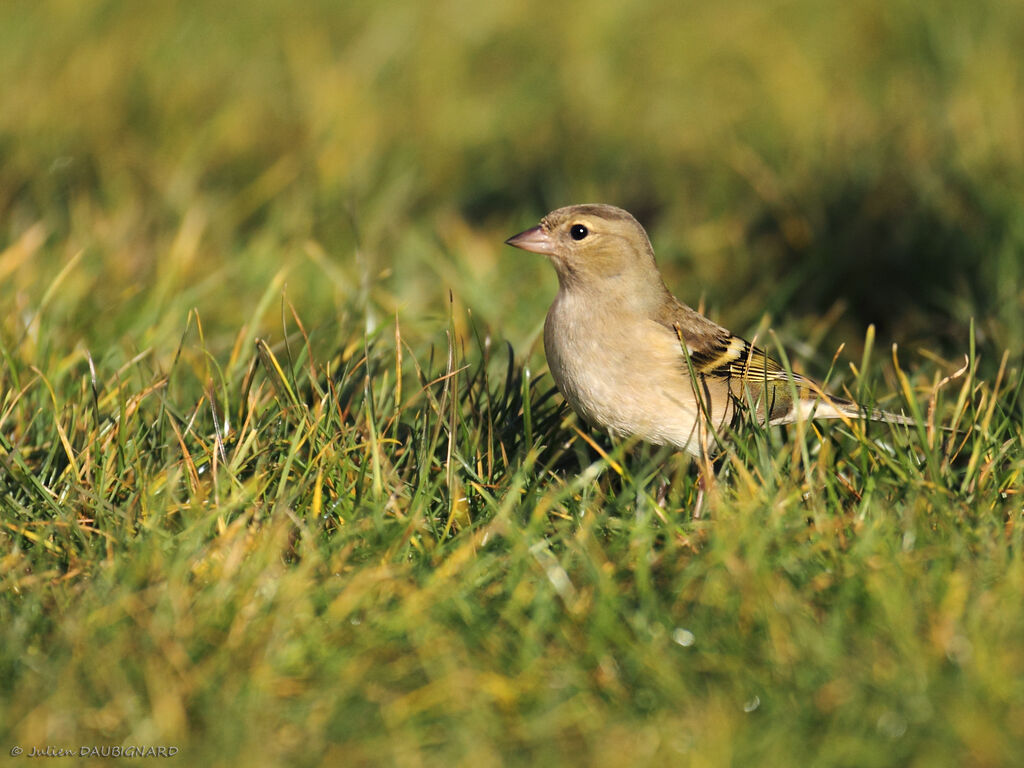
(632, 359)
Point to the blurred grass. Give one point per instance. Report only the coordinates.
(398, 551)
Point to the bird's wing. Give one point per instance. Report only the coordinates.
(755, 382)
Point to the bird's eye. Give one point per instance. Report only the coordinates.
(578, 232)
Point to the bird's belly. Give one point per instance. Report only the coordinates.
(616, 380)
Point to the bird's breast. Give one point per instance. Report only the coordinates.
(627, 375)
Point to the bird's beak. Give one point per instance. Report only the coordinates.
(535, 240)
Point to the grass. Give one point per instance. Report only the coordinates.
(283, 478)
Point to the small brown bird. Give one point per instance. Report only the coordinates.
(634, 360)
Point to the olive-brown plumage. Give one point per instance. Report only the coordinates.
(631, 358)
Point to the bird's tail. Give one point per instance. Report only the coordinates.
(826, 407)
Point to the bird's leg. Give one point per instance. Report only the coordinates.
(705, 470)
(673, 469)
(662, 495)
(663, 483)
(703, 485)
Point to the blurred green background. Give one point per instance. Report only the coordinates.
(827, 165)
(864, 158)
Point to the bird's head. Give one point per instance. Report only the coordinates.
(597, 247)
